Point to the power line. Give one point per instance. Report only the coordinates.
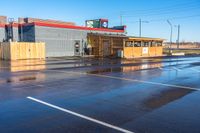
(180, 8)
(172, 18)
(165, 12)
(176, 6)
(175, 18)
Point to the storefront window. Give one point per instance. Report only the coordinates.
(153, 44)
(129, 44)
(145, 44)
(159, 44)
(137, 44)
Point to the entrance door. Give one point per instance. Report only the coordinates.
(106, 48)
(77, 48)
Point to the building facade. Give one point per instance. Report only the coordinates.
(62, 40)
(2, 32)
(68, 39)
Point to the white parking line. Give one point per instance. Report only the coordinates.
(177, 69)
(81, 116)
(132, 80)
(169, 69)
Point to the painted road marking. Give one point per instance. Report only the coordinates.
(177, 69)
(132, 80)
(81, 116)
(169, 69)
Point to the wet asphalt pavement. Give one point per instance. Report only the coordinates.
(152, 95)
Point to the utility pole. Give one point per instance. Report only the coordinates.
(178, 38)
(140, 26)
(170, 24)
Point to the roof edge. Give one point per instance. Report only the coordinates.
(76, 27)
(145, 38)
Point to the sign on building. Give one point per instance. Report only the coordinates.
(145, 50)
(97, 23)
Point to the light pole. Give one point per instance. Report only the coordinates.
(170, 35)
(140, 26)
(178, 37)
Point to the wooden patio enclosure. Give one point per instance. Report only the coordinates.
(109, 45)
(105, 45)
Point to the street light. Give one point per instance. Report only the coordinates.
(140, 26)
(170, 34)
(178, 37)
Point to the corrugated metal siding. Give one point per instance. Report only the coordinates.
(60, 41)
(2, 34)
(15, 34)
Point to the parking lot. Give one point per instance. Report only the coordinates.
(87, 95)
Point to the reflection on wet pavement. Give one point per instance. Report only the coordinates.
(126, 68)
(23, 65)
(136, 106)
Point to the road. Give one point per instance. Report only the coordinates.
(88, 95)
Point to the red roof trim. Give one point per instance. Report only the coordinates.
(14, 25)
(75, 27)
(2, 25)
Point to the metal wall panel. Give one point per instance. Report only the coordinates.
(60, 41)
(2, 34)
(15, 34)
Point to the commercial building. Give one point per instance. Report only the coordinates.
(68, 39)
(61, 39)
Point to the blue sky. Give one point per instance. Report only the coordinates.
(156, 12)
